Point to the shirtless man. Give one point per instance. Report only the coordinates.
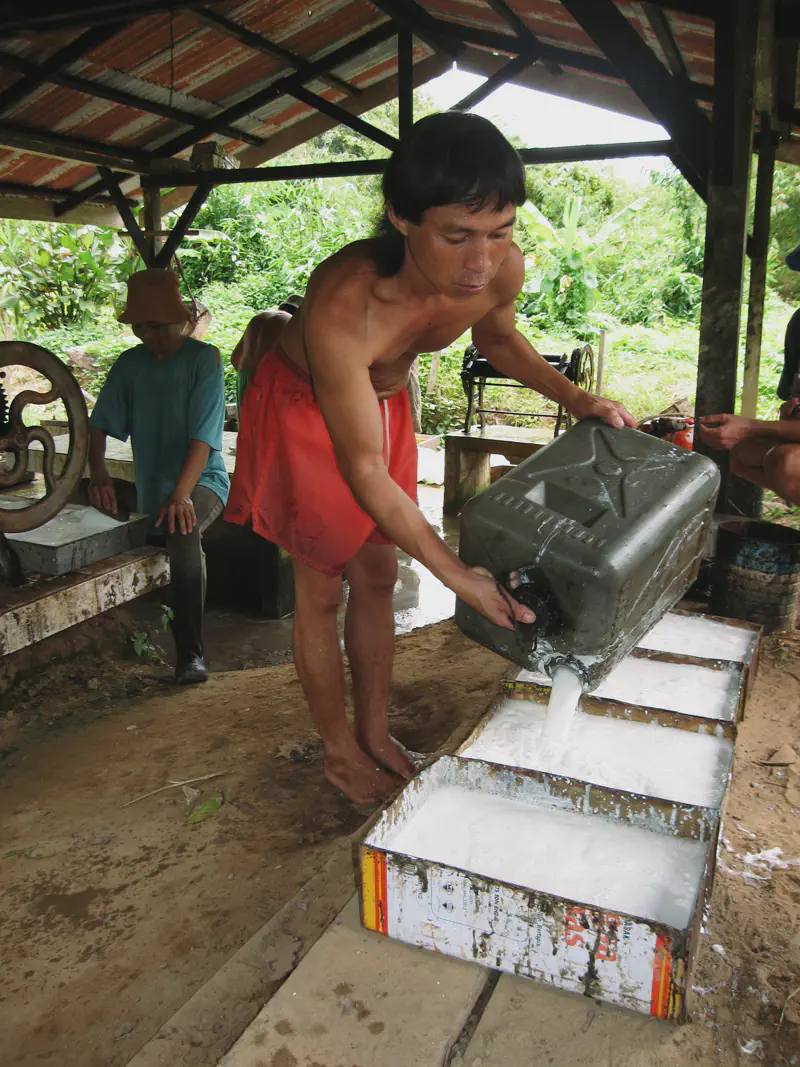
(328, 466)
(262, 331)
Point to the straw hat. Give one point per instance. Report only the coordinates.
(154, 296)
(291, 303)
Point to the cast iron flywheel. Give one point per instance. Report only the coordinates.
(16, 437)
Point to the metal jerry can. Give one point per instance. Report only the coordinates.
(606, 528)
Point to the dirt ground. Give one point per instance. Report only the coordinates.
(749, 963)
(114, 916)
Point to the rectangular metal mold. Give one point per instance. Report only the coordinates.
(570, 944)
(685, 648)
(77, 537)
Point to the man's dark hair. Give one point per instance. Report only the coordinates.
(452, 158)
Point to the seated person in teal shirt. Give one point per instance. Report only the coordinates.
(167, 395)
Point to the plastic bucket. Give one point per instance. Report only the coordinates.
(757, 574)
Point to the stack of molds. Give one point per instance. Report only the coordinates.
(586, 865)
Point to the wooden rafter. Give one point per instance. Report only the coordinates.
(54, 64)
(258, 43)
(410, 16)
(327, 107)
(669, 99)
(357, 167)
(47, 16)
(405, 80)
(282, 86)
(178, 231)
(43, 192)
(93, 88)
(512, 45)
(659, 23)
(257, 100)
(125, 211)
(77, 149)
(507, 73)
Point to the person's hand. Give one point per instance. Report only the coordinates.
(724, 432)
(615, 414)
(102, 494)
(790, 409)
(178, 511)
(477, 587)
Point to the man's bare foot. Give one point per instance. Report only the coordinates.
(388, 752)
(358, 777)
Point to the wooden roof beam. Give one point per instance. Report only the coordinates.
(668, 99)
(512, 45)
(282, 86)
(125, 211)
(48, 16)
(74, 149)
(258, 43)
(45, 192)
(178, 231)
(327, 107)
(177, 144)
(409, 15)
(54, 64)
(507, 73)
(360, 167)
(659, 23)
(119, 96)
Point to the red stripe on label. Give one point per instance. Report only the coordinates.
(381, 902)
(662, 969)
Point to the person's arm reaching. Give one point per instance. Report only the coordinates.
(342, 384)
(724, 432)
(497, 339)
(101, 486)
(179, 509)
(111, 416)
(206, 421)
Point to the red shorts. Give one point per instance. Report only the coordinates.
(287, 480)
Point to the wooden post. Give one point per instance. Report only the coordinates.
(601, 362)
(735, 42)
(765, 105)
(758, 267)
(415, 396)
(465, 475)
(433, 373)
(405, 80)
(151, 223)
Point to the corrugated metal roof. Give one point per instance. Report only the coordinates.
(183, 62)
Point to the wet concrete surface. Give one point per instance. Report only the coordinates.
(238, 641)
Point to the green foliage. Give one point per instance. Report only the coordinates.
(562, 284)
(785, 231)
(277, 233)
(142, 646)
(51, 276)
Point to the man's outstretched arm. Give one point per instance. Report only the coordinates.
(351, 410)
(497, 338)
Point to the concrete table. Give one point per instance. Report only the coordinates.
(119, 455)
(467, 458)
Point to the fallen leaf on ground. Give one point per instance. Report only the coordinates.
(207, 808)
